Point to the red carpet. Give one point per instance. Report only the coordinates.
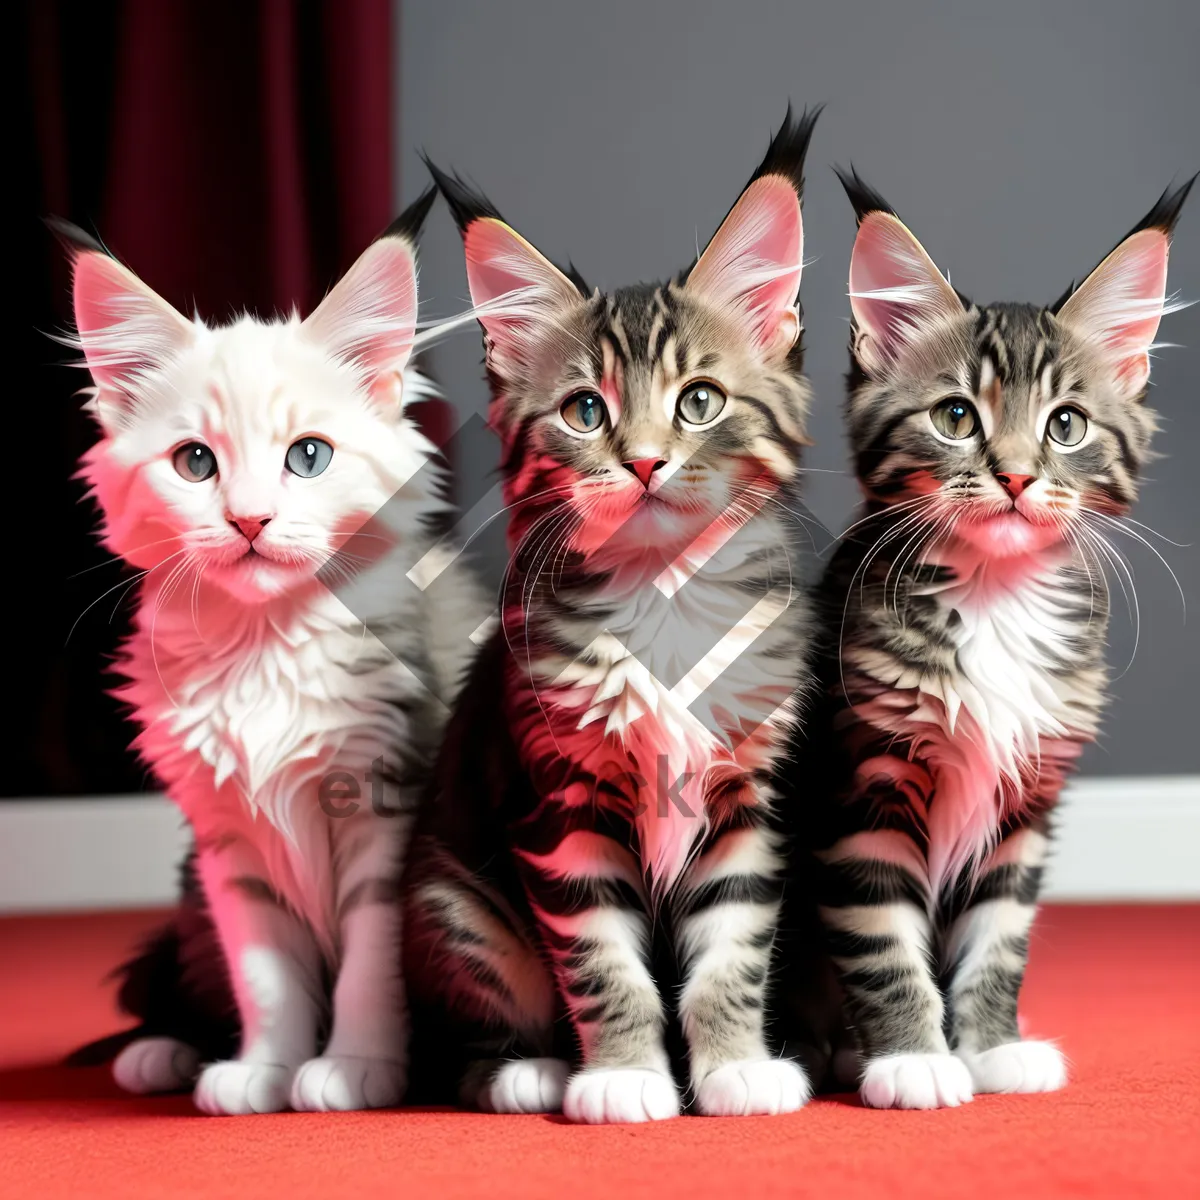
(1120, 988)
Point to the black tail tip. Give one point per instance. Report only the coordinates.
(102, 1050)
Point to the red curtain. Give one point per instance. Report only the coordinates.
(237, 154)
(249, 148)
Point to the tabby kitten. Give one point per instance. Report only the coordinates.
(609, 776)
(994, 445)
(234, 463)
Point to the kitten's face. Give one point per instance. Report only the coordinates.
(1003, 427)
(246, 455)
(651, 414)
(1008, 423)
(654, 412)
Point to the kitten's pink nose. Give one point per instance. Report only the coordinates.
(1014, 485)
(248, 527)
(644, 468)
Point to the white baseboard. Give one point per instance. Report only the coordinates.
(1118, 839)
(1134, 838)
(106, 852)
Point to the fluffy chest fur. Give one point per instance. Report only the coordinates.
(681, 689)
(1013, 688)
(246, 713)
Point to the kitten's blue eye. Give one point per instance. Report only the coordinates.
(955, 418)
(700, 403)
(585, 412)
(195, 462)
(308, 457)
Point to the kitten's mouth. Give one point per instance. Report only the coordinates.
(253, 557)
(1009, 531)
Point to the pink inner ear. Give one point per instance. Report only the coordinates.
(755, 259)
(894, 285)
(495, 265)
(1121, 303)
(370, 316)
(500, 264)
(124, 325)
(1135, 291)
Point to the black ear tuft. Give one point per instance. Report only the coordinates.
(786, 153)
(1063, 298)
(76, 240)
(1163, 215)
(408, 224)
(572, 273)
(466, 204)
(1166, 211)
(863, 196)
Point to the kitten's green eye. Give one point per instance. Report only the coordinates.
(195, 462)
(308, 457)
(584, 412)
(700, 403)
(1066, 426)
(954, 418)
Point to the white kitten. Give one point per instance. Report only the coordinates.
(234, 463)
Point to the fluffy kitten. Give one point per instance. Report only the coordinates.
(234, 464)
(603, 804)
(994, 445)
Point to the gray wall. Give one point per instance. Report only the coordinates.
(1019, 140)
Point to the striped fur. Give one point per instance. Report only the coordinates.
(964, 619)
(639, 688)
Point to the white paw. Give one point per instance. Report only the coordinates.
(528, 1085)
(916, 1081)
(158, 1064)
(607, 1097)
(237, 1089)
(756, 1086)
(343, 1083)
(1018, 1067)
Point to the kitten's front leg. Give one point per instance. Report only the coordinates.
(364, 1064)
(274, 966)
(726, 912)
(588, 897)
(986, 952)
(875, 909)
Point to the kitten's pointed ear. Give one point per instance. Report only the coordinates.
(369, 318)
(895, 288)
(515, 289)
(755, 258)
(126, 329)
(1119, 305)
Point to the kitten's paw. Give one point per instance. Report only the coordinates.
(157, 1064)
(916, 1081)
(609, 1097)
(1018, 1067)
(754, 1087)
(527, 1085)
(343, 1083)
(237, 1089)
